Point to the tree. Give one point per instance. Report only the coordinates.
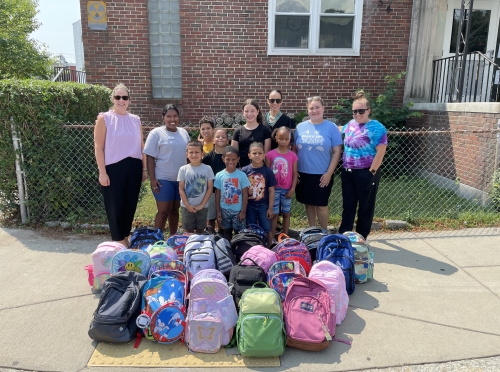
(20, 55)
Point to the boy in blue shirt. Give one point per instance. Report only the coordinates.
(231, 195)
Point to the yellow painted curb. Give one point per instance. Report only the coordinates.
(151, 354)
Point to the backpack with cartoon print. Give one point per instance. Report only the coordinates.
(163, 315)
(130, 260)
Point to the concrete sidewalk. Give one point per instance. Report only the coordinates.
(435, 298)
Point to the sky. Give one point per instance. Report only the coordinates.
(56, 30)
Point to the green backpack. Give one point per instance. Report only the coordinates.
(260, 331)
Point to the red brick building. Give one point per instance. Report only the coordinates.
(228, 51)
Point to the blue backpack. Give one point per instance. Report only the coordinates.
(143, 237)
(337, 249)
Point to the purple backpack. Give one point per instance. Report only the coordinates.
(309, 321)
(261, 255)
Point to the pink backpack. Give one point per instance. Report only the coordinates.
(333, 279)
(212, 314)
(309, 321)
(293, 250)
(261, 255)
(101, 263)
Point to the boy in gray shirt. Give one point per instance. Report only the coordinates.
(196, 182)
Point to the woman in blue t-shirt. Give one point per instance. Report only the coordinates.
(318, 145)
(365, 142)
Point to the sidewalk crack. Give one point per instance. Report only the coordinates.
(44, 302)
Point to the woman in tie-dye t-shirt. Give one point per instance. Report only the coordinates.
(365, 142)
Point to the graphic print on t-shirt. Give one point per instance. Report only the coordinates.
(231, 193)
(280, 169)
(195, 186)
(257, 189)
(311, 138)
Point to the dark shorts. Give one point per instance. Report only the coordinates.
(194, 221)
(308, 190)
(169, 191)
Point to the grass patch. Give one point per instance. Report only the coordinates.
(415, 200)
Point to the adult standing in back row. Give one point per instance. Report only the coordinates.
(275, 118)
(118, 151)
(318, 146)
(365, 143)
(253, 131)
(165, 150)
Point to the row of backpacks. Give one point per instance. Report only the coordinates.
(189, 288)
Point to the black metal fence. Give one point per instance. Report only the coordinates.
(481, 81)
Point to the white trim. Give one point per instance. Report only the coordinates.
(313, 41)
(481, 107)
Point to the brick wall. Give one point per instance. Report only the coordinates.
(224, 57)
(466, 154)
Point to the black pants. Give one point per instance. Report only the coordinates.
(121, 196)
(359, 191)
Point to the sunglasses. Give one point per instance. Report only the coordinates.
(360, 111)
(272, 100)
(125, 98)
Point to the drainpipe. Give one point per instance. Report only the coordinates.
(19, 172)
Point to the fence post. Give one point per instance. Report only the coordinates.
(19, 172)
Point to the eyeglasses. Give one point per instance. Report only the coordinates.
(360, 111)
(125, 98)
(272, 100)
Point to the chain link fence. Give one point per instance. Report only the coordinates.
(428, 177)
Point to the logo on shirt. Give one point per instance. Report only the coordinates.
(231, 193)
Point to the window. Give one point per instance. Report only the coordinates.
(165, 50)
(315, 27)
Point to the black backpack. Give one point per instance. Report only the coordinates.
(311, 237)
(242, 242)
(118, 308)
(223, 253)
(244, 277)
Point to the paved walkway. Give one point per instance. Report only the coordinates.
(435, 298)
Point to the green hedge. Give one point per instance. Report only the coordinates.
(39, 110)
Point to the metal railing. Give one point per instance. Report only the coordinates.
(480, 82)
(427, 175)
(64, 74)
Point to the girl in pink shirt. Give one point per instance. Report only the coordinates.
(283, 163)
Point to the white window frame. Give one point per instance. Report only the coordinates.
(313, 41)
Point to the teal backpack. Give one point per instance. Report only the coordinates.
(260, 331)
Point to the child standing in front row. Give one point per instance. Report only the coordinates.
(195, 187)
(231, 195)
(261, 190)
(214, 159)
(283, 163)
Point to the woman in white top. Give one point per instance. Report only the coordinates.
(165, 151)
(118, 151)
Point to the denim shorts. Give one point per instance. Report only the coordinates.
(169, 191)
(230, 220)
(281, 199)
(257, 213)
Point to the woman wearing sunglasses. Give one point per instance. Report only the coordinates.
(365, 142)
(165, 151)
(275, 118)
(318, 145)
(118, 151)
